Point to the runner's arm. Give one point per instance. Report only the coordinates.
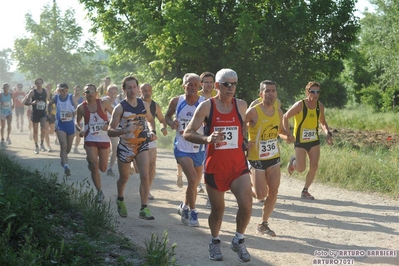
(200, 114)
(50, 105)
(296, 108)
(173, 123)
(150, 122)
(161, 119)
(28, 98)
(113, 131)
(79, 116)
(324, 124)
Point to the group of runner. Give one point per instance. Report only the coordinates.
(211, 142)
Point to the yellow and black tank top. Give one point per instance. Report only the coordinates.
(264, 136)
(306, 127)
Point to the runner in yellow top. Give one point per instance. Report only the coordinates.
(264, 126)
(307, 114)
(208, 85)
(277, 102)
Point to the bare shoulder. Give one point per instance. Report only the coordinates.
(241, 103)
(174, 100)
(255, 102)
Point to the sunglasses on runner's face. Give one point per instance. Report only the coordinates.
(314, 91)
(229, 84)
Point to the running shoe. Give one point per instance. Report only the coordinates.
(146, 214)
(110, 172)
(290, 165)
(200, 189)
(241, 249)
(37, 150)
(214, 250)
(76, 151)
(8, 141)
(3, 144)
(100, 197)
(121, 208)
(49, 149)
(184, 213)
(264, 229)
(179, 182)
(193, 220)
(306, 195)
(42, 148)
(67, 171)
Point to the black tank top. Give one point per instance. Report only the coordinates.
(39, 97)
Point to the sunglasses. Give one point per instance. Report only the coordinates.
(314, 91)
(229, 84)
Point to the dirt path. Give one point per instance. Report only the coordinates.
(338, 219)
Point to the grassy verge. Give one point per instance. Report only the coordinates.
(362, 118)
(46, 222)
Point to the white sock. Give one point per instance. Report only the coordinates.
(214, 238)
(238, 236)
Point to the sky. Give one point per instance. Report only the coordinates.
(12, 20)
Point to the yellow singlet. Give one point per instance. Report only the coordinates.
(264, 136)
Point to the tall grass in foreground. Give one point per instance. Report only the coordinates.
(361, 169)
(47, 222)
(362, 118)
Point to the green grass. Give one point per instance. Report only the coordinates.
(362, 118)
(47, 222)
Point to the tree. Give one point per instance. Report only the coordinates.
(53, 52)
(290, 42)
(374, 67)
(5, 63)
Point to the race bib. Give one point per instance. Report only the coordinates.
(309, 134)
(41, 105)
(97, 128)
(267, 148)
(65, 116)
(183, 123)
(6, 105)
(230, 138)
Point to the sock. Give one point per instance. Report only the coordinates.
(120, 198)
(214, 238)
(193, 210)
(305, 189)
(65, 165)
(238, 236)
(41, 142)
(143, 207)
(36, 144)
(184, 206)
